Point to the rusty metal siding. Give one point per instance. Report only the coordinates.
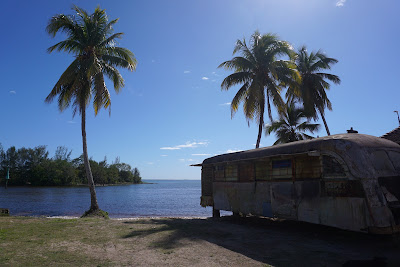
(342, 188)
(206, 180)
(263, 170)
(246, 172)
(307, 167)
(247, 198)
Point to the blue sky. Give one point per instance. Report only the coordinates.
(172, 112)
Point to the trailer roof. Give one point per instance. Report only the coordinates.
(338, 142)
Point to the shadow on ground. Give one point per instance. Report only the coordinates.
(275, 242)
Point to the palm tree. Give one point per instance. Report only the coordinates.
(261, 75)
(313, 85)
(289, 127)
(91, 40)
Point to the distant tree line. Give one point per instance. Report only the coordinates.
(33, 166)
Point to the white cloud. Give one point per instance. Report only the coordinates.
(186, 71)
(186, 145)
(205, 78)
(186, 160)
(201, 154)
(169, 148)
(13, 92)
(340, 3)
(71, 122)
(150, 163)
(225, 104)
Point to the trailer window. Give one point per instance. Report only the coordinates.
(263, 170)
(395, 158)
(381, 162)
(219, 173)
(281, 169)
(308, 167)
(246, 172)
(231, 172)
(332, 168)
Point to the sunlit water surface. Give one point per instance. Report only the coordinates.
(167, 198)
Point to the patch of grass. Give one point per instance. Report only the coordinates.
(96, 213)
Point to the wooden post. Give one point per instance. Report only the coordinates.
(216, 213)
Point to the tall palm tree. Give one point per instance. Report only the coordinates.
(292, 125)
(91, 39)
(313, 85)
(261, 74)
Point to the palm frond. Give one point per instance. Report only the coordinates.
(235, 79)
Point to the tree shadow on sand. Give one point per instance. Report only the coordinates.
(275, 242)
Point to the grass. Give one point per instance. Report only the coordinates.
(41, 242)
(91, 241)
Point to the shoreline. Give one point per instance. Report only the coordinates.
(123, 218)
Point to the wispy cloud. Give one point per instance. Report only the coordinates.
(201, 154)
(71, 122)
(164, 155)
(225, 104)
(12, 92)
(186, 145)
(186, 160)
(340, 3)
(205, 78)
(186, 71)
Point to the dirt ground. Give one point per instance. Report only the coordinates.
(188, 242)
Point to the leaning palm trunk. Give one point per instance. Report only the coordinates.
(325, 124)
(260, 126)
(93, 199)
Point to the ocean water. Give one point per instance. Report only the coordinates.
(167, 198)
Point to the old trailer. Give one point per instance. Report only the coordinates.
(349, 181)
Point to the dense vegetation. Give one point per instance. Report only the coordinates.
(34, 166)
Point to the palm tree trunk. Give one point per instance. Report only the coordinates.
(269, 109)
(326, 125)
(260, 126)
(93, 199)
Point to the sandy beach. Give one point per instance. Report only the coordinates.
(157, 241)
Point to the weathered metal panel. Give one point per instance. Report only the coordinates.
(283, 200)
(381, 216)
(206, 180)
(308, 211)
(247, 198)
(342, 188)
(345, 213)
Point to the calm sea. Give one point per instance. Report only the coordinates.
(161, 198)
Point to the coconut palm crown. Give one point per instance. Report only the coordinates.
(292, 125)
(261, 75)
(92, 41)
(314, 83)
